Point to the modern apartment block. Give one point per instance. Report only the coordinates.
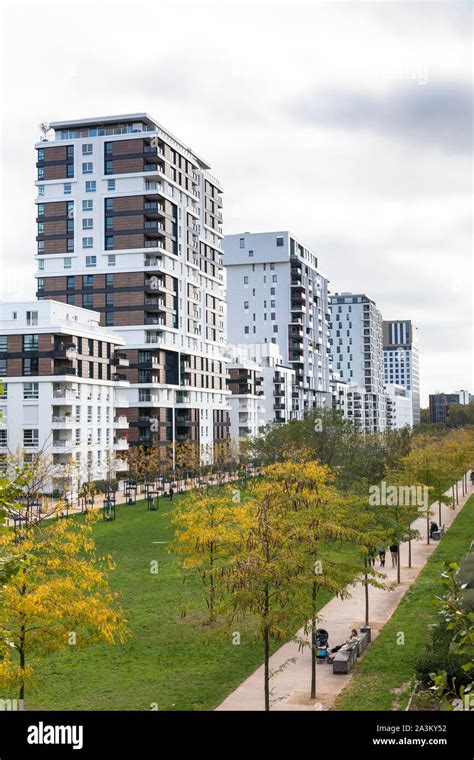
(440, 403)
(63, 391)
(357, 354)
(399, 407)
(276, 294)
(129, 224)
(246, 402)
(401, 363)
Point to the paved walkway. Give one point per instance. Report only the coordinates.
(291, 687)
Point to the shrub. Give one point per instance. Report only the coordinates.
(451, 663)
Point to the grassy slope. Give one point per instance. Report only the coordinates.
(384, 678)
(177, 663)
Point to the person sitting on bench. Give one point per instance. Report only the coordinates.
(351, 641)
(433, 528)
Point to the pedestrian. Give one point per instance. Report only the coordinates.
(371, 557)
(394, 554)
(171, 492)
(382, 556)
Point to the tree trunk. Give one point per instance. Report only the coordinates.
(428, 529)
(266, 639)
(457, 493)
(439, 513)
(399, 554)
(454, 496)
(409, 552)
(366, 595)
(22, 666)
(313, 649)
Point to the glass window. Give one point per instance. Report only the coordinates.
(87, 224)
(67, 188)
(91, 261)
(30, 366)
(3, 342)
(279, 242)
(40, 172)
(87, 300)
(109, 281)
(87, 167)
(30, 343)
(242, 242)
(87, 280)
(30, 390)
(30, 438)
(67, 263)
(111, 260)
(70, 170)
(87, 149)
(91, 186)
(110, 184)
(3, 367)
(88, 205)
(41, 264)
(70, 283)
(87, 242)
(41, 190)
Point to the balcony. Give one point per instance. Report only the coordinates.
(152, 208)
(121, 423)
(120, 360)
(62, 445)
(154, 321)
(63, 422)
(121, 444)
(155, 303)
(153, 284)
(64, 369)
(65, 394)
(65, 351)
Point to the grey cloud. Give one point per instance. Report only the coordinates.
(434, 114)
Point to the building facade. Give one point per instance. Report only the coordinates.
(63, 393)
(440, 403)
(399, 407)
(246, 402)
(277, 295)
(401, 362)
(357, 353)
(129, 224)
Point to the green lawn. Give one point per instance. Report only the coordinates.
(383, 680)
(177, 663)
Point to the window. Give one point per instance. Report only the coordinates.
(110, 184)
(111, 260)
(41, 264)
(3, 443)
(87, 280)
(251, 254)
(109, 281)
(41, 154)
(70, 283)
(246, 304)
(3, 367)
(109, 299)
(31, 317)
(70, 299)
(109, 204)
(30, 366)
(246, 280)
(109, 242)
(87, 242)
(91, 261)
(109, 318)
(87, 149)
(30, 438)
(246, 330)
(108, 148)
(109, 223)
(70, 225)
(40, 246)
(87, 224)
(30, 343)
(40, 228)
(279, 242)
(87, 301)
(30, 390)
(109, 167)
(274, 278)
(40, 283)
(87, 167)
(70, 151)
(67, 188)
(70, 170)
(3, 343)
(272, 303)
(87, 205)
(41, 190)
(91, 186)
(40, 209)
(67, 263)
(242, 242)
(40, 172)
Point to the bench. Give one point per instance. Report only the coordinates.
(345, 659)
(438, 534)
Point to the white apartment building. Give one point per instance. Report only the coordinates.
(276, 294)
(247, 410)
(280, 397)
(129, 223)
(401, 361)
(62, 391)
(357, 353)
(399, 407)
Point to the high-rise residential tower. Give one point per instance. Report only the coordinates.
(357, 352)
(401, 365)
(129, 224)
(276, 294)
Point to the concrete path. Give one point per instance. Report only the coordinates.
(291, 686)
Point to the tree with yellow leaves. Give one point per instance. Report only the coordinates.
(207, 529)
(59, 596)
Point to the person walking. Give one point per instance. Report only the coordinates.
(382, 556)
(394, 554)
(171, 492)
(371, 557)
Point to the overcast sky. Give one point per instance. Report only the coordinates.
(348, 123)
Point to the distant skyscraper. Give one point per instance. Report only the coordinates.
(401, 364)
(357, 353)
(277, 294)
